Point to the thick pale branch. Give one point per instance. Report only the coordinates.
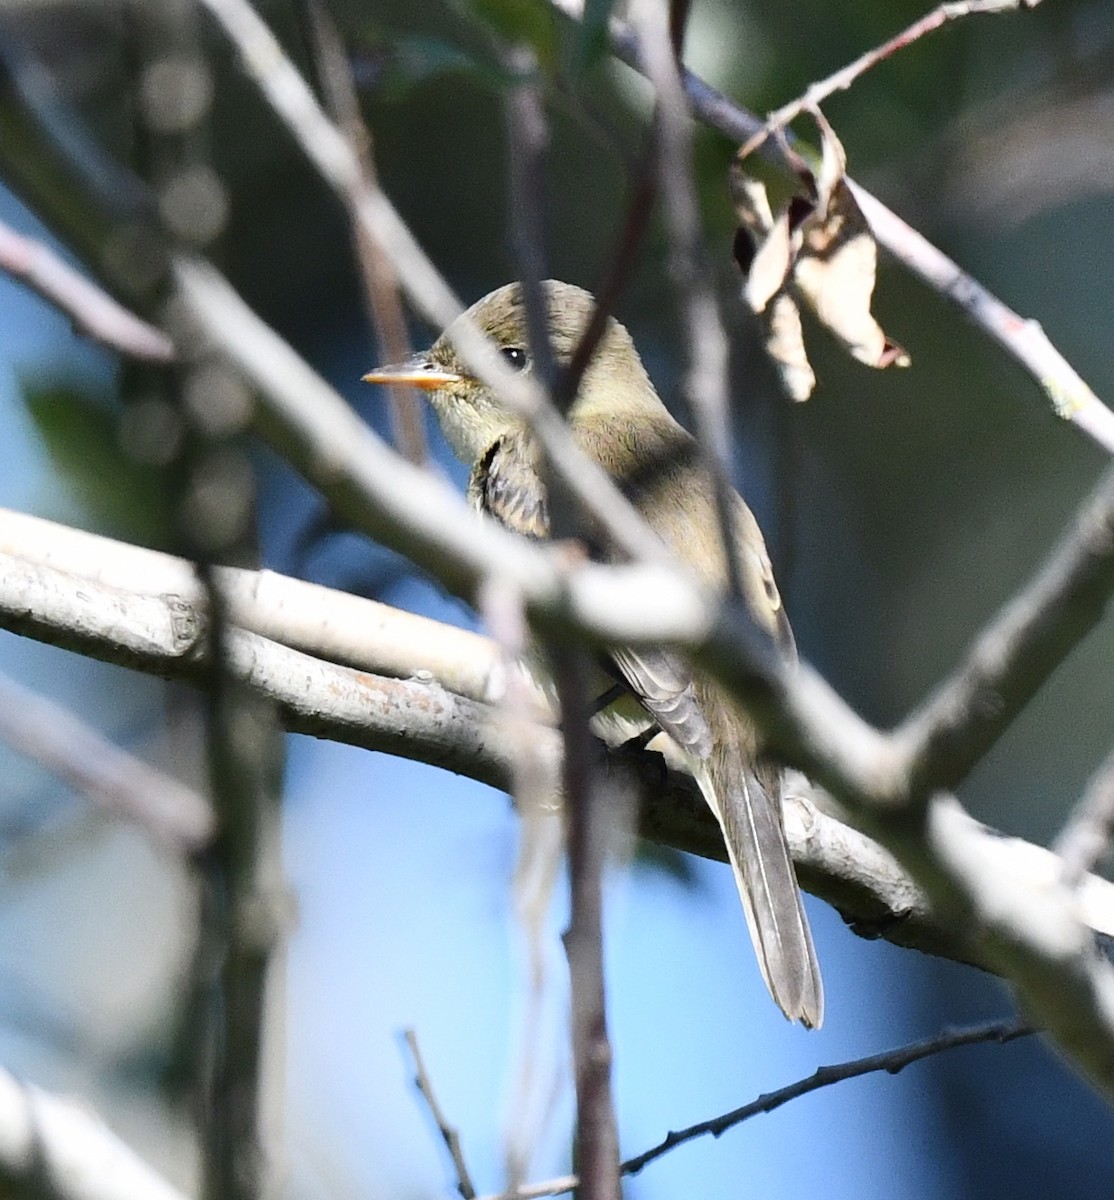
(321, 621)
(84, 587)
(56, 1147)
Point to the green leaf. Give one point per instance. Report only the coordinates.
(592, 44)
(406, 62)
(125, 498)
(530, 21)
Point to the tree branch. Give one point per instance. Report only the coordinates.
(449, 1134)
(58, 1147)
(84, 595)
(1016, 653)
(172, 813)
(841, 80)
(92, 310)
(890, 1061)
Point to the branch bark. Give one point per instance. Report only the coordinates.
(84, 594)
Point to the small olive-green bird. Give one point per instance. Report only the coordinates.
(618, 420)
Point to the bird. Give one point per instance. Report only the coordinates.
(618, 419)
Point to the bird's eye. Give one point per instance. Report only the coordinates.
(515, 357)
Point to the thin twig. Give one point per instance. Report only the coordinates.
(538, 861)
(92, 310)
(841, 80)
(640, 207)
(172, 813)
(890, 1061)
(381, 287)
(537, 794)
(527, 143)
(706, 375)
(597, 1137)
(449, 1134)
(1085, 839)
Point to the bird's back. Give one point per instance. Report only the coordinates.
(657, 464)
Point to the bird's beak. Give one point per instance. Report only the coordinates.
(418, 371)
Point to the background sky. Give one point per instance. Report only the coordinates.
(902, 508)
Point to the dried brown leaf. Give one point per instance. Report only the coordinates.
(785, 344)
(818, 249)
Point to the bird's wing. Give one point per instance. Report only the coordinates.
(507, 485)
(662, 681)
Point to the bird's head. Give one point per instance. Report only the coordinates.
(471, 413)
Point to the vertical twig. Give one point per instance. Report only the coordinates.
(597, 1141)
(380, 279)
(239, 868)
(706, 376)
(535, 787)
(597, 1137)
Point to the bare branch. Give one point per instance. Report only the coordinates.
(381, 287)
(420, 719)
(172, 813)
(329, 624)
(59, 1147)
(706, 388)
(448, 1132)
(597, 1135)
(538, 861)
(1085, 839)
(92, 310)
(842, 79)
(890, 1061)
(584, 800)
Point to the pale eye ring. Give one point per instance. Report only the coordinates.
(515, 357)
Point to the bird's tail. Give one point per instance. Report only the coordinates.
(751, 820)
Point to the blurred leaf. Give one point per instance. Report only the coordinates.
(128, 499)
(397, 66)
(673, 864)
(592, 43)
(530, 21)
